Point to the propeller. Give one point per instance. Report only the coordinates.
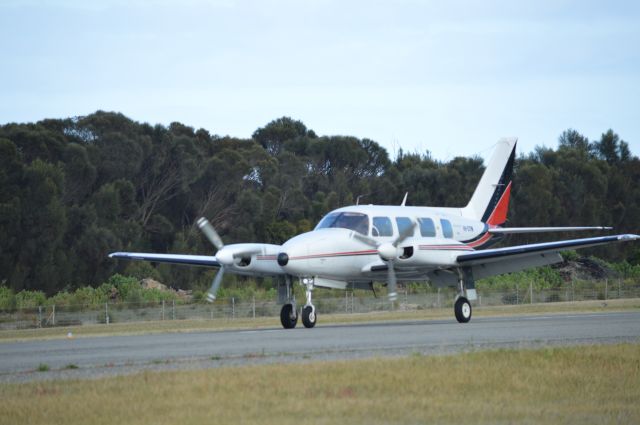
(216, 241)
(226, 257)
(388, 251)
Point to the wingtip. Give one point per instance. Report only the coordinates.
(628, 237)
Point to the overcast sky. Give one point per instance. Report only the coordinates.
(451, 77)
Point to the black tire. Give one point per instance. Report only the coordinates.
(462, 309)
(309, 317)
(288, 316)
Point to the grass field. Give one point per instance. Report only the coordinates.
(581, 385)
(135, 328)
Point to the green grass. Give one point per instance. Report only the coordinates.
(43, 367)
(137, 328)
(581, 385)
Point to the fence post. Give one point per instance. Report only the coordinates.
(173, 309)
(233, 307)
(618, 287)
(353, 306)
(606, 289)
(346, 302)
(39, 316)
(162, 309)
(438, 297)
(253, 308)
(517, 294)
(53, 316)
(530, 292)
(106, 313)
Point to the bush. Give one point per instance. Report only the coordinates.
(570, 255)
(129, 289)
(7, 299)
(30, 299)
(61, 298)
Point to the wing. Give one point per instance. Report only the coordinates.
(189, 260)
(509, 230)
(491, 262)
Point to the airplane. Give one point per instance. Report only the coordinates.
(353, 246)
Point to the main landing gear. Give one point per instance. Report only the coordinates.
(467, 288)
(288, 316)
(462, 309)
(289, 312)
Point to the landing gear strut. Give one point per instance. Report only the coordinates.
(309, 311)
(467, 288)
(289, 312)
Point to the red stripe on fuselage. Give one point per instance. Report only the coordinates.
(484, 239)
(336, 254)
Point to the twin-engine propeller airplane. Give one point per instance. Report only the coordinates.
(354, 246)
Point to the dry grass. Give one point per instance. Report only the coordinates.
(136, 328)
(581, 385)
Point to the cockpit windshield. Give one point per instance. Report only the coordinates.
(346, 220)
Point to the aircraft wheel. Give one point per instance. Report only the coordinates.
(462, 309)
(309, 316)
(288, 316)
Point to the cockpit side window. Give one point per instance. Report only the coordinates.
(427, 228)
(447, 230)
(382, 227)
(404, 223)
(346, 220)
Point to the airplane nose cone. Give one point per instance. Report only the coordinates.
(283, 259)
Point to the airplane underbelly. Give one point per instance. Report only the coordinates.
(339, 266)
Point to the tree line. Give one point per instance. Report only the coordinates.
(73, 190)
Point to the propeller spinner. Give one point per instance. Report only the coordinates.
(388, 252)
(225, 256)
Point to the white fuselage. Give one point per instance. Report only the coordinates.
(331, 253)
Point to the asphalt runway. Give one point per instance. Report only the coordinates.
(104, 356)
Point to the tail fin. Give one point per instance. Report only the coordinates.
(490, 201)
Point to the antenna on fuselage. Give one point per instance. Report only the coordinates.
(358, 198)
(404, 201)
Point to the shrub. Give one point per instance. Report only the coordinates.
(7, 299)
(30, 299)
(129, 289)
(570, 255)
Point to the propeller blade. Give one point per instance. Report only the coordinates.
(365, 239)
(405, 233)
(211, 295)
(210, 232)
(391, 282)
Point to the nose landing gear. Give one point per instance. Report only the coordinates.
(309, 311)
(289, 312)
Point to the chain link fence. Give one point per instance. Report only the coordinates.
(350, 302)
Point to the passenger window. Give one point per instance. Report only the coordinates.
(382, 227)
(403, 224)
(427, 228)
(447, 230)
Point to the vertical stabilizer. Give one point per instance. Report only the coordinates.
(490, 201)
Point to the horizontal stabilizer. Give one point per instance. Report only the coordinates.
(509, 230)
(508, 253)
